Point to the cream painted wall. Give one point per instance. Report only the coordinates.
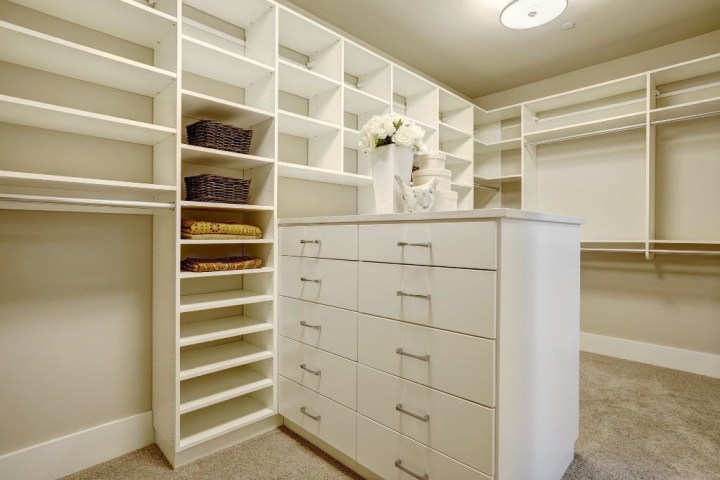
(671, 300)
(75, 322)
(689, 49)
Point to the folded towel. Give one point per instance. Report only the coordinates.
(199, 227)
(217, 236)
(220, 264)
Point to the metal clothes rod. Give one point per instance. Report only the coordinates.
(686, 90)
(497, 189)
(584, 135)
(613, 250)
(88, 202)
(687, 117)
(659, 252)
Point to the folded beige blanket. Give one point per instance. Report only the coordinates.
(220, 264)
(200, 227)
(217, 236)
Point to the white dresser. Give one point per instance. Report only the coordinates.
(433, 346)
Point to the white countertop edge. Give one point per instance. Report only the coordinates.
(455, 215)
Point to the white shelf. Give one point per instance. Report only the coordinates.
(126, 19)
(301, 35)
(452, 159)
(449, 133)
(224, 273)
(359, 102)
(203, 331)
(190, 241)
(202, 361)
(360, 61)
(52, 117)
(221, 207)
(229, 12)
(199, 106)
(583, 129)
(351, 138)
(461, 186)
(407, 84)
(218, 387)
(593, 93)
(209, 61)
(37, 180)
(301, 81)
(303, 172)
(502, 179)
(501, 146)
(483, 117)
(301, 126)
(220, 158)
(231, 298)
(426, 126)
(43, 52)
(449, 102)
(686, 110)
(683, 71)
(214, 421)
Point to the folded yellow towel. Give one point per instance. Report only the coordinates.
(199, 227)
(216, 236)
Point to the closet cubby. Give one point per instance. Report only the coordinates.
(417, 99)
(365, 73)
(310, 46)
(304, 92)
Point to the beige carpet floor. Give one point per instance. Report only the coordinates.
(637, 422)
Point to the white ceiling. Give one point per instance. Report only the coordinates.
(462, 43)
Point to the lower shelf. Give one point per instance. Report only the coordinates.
(218, 387)
(202, 331)
(203, 361)
(211, 422)
(230, 298)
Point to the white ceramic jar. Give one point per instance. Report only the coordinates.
(425, 175)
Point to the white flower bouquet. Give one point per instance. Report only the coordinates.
(391, 129)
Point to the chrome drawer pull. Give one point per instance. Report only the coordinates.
(425, 418)
(305, 324)
(314, 372)
(398, 464)
(400, 293)
(313, 280)
(424, 358)
(410, 244)
(310, 241)
(314, 417)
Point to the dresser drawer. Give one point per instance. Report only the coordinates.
(464, 245)
(324, 241)
(458, 364)
(320, 416)
(327, 328)
(331, 282)
(334, 377)
(387, 453)
(460, 300)
(460, 429)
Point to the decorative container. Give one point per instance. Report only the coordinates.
(387, 162)
(210, 134)
(425, 175)
(218, 189)
(445, 201)
(432, 161)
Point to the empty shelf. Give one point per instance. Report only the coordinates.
(202, 361)
(218, 387)
(449, 133)
(219, 207)
(351, 139)
(219, 158)
(301, 81)
(687, 111)
(452, 159)
(303, 172)
(218, 328)
(359, 102)
(37, 180)
(606, 125)
(301, 126)
(499, 146)
(52, 117)
(224, 273)
(214, 421)
(230, 298)
(200, 106)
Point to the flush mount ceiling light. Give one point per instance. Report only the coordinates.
(522, 14)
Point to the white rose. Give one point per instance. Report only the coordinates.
(367, 141)
(383, 127)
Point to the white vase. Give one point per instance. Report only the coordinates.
(388, 161)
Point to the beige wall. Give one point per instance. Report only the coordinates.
(689, 49)
(671, 300)
(75, 322)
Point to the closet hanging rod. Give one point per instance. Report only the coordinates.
(687, 117)
(497, 189)
(590, 134)
(86, 202)
(686, 90)
(589, 110)
(685, 252)
(613, 250)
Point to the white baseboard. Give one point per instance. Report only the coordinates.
(669, 357)
(77, 451)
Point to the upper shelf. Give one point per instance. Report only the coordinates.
(43, 52)
(301, 126)
(359, 102)
(126, 19)
(200, 106)
(37, 180)
(206, 60)
(314, 174)
(52, 117)
(407, 84)
(220, 158)
(301, 81)
(608, 125)
(243, 17)
(500, 146)
(686, 110)
(590, 94)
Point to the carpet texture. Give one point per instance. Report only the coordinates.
(637, 422)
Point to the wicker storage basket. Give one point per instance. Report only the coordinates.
(210, 134)
(214, 188)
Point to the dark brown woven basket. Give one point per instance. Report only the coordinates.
(214, 188)
(210, 134)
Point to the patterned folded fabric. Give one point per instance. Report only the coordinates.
(199, 227)
(217, 236)
(220, 264)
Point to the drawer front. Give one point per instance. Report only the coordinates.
(332, 376)
(459, 300)
(458, 364)
(333, 423)
(460, 429)
(327, 328)
(330, 282)
(320, 241)
(380, 449)
(464, 245)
